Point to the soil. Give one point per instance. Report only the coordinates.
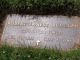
(1, 29)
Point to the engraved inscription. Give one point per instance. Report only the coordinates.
(50, 31)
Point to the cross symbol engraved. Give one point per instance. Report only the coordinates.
(38, 41)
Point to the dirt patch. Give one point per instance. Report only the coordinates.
(1, 30)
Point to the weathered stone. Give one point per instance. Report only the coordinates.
(60, 32)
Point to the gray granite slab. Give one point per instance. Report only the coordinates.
(49, 31)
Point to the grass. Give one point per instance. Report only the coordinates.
(39, 7)
(29, 53)
(62, 7)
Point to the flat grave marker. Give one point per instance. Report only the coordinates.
(60, 32)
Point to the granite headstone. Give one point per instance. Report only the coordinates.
(49, 31)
